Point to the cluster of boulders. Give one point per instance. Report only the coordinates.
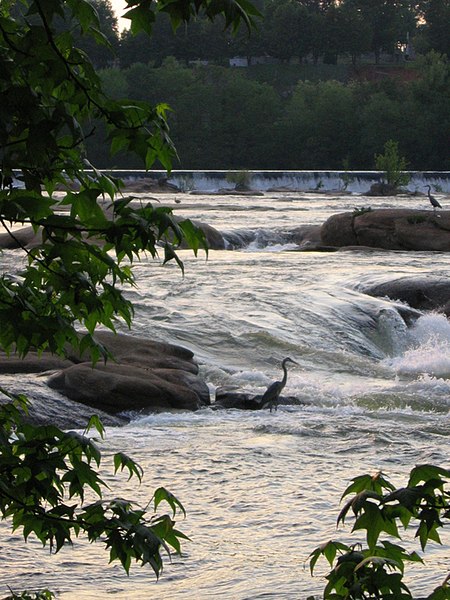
(140, 375)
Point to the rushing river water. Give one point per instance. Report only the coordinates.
(262, 489)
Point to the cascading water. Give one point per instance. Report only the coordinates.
(320, 181)
(428, 349)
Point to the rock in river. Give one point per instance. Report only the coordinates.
(422, 293)
(142, 375)
(391, 229)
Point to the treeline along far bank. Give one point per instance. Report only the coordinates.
(289, 116)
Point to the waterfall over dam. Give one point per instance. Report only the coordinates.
(339, 181)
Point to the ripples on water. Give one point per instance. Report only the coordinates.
(262, 490)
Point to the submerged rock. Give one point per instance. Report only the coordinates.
(66, 414)
(147, 184)
(23, 237)
(422, 293)
(239, 191)
(390, 229)
(246, 401)
(240, 400)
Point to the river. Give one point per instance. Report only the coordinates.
(262, 489)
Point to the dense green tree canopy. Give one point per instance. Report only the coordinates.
(287, 29)
(437, 18)
(270, 117)
(301, 29)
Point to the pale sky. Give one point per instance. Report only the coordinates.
(119, 9)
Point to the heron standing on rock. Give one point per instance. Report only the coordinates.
(272, 394)
(434, 203)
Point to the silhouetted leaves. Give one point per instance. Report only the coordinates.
(44, 476)
(377, 571)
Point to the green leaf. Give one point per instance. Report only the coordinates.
(142, 17)
(373, 521)
(170, 254)
(122, 461)
(425, 473)
(328, 550)
(95, 422)
(375, 483)
(440, 593)
(357, 504)
(163, 495)
(408, 497)
(193, 235)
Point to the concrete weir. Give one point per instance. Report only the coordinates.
(350, 181)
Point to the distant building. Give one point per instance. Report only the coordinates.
(238, 61)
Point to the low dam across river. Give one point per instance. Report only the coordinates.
(350, 181)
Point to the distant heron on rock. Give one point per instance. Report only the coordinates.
(272, 394)
(434, 203)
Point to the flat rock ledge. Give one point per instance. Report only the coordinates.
(143, 376)
(389, 229)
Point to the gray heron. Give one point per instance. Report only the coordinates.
(272, 394)
(434, 203)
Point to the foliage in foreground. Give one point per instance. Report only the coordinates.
(46, 474)
(42, 595)
(377, 571)
(87, 237)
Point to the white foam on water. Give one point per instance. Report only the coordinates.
(256, 247)
(428, 350)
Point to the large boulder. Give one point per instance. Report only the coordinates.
(115, 388)
(214, 238)
(391, 229)
(380, 188)
(423, 293)
(338, 231)
(23, 237)
(307, 237)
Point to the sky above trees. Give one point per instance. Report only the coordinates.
(119, 9)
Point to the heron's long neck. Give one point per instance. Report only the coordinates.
(283, 381)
